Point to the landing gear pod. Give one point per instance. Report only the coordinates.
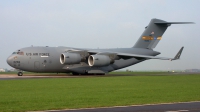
(99, 60)
(70, 58)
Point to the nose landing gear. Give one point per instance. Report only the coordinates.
(20, 73)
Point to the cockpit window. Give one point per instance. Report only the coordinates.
(19, 53)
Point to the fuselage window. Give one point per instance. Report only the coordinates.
(19, 53)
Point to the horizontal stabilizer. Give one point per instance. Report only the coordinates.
(174, 23)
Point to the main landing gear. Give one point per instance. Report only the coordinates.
(75, 73)
(20, 73)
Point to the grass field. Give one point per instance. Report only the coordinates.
(62, 93)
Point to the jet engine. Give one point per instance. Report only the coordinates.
(99, 60)
(70, 58)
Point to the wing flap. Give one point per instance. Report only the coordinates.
(128, 55)
(143, 56)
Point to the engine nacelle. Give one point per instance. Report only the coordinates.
(70, 58)
(99, 60)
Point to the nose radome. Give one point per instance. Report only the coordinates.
(9, 60)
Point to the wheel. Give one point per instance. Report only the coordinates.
(75, 73)
(101, 74)
(20, 73)
(84, 74)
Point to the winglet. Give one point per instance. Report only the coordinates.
(178, 54)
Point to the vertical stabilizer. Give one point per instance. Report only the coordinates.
(153, 33)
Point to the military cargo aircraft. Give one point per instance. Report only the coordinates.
(92, 61)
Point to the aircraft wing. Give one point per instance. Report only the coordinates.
(145, 56)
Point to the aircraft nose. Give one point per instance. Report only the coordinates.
(9, 59)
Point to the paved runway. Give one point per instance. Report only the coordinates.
(11, 77)
(15, 77)
(37, 76)
(177, 107)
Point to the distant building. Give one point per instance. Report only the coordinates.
(192, 70)
(2, 70)
(13, 70)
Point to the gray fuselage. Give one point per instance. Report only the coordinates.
(47, 59)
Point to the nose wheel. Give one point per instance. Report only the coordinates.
(20, 74)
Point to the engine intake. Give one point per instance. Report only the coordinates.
(70, 58)
(99, 60)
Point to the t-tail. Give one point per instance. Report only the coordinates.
(153, 33)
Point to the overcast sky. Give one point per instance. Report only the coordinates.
(101, 24)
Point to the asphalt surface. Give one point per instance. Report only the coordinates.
(15, 77)
(37, 76)
(177, 107)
